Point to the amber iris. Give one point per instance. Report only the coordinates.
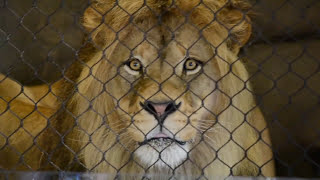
(191, 64)
(135, 65)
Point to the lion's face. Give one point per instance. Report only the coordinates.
(163, 86)
(164, 91)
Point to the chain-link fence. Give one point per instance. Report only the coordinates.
(160, 89)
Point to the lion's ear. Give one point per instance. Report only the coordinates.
(91, 19)
(95, 14)
(93, 22)
(239, 26)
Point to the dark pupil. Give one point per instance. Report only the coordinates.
(191, 64)
(135, 65)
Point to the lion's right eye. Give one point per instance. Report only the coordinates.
(133, 66)
(192, 66)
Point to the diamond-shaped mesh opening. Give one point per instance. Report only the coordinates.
(146, 89)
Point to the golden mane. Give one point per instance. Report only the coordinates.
(105, 18)
(226, 27)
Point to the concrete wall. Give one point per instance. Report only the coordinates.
(44, 43)
(285, 77)
(275, 19)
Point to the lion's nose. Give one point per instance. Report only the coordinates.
(161, 109)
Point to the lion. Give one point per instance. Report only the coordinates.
(158, 91)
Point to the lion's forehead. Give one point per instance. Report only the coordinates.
(171, 47)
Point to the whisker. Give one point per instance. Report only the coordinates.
(115, 126)
(210, 126)
(127, 143)
(78, 130)
(126, 138)
(210, 120)
(214, 121)
(77, 140)
(115, 123)
(210, 139)
(211, 129)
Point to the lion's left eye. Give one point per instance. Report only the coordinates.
(192, 66)
(133, 66)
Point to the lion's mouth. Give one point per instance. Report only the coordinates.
(161, 141)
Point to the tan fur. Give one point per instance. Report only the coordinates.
(24, 113)
(226, 130)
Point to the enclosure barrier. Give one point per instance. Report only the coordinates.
(159, 89)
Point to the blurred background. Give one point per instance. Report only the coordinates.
(39, 39)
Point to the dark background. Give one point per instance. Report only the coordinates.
(40, 38)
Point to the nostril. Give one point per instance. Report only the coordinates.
(148, 107)
(151, 108)
(171, 107)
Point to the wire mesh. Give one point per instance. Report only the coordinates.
(160, 89)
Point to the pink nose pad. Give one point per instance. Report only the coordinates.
(160, 108)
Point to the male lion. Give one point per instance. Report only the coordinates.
(159, 91)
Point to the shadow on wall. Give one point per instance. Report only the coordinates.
(44, 43)
(280, 19)
(285, 77)
(285, 73)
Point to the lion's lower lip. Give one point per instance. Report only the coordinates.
(161, 138)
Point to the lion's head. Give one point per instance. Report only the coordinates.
(163, 75)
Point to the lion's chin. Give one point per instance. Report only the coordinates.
(162, 154)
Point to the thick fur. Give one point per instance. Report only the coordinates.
(100, 121)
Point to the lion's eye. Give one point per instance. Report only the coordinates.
(192, 66)
(133, 66)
